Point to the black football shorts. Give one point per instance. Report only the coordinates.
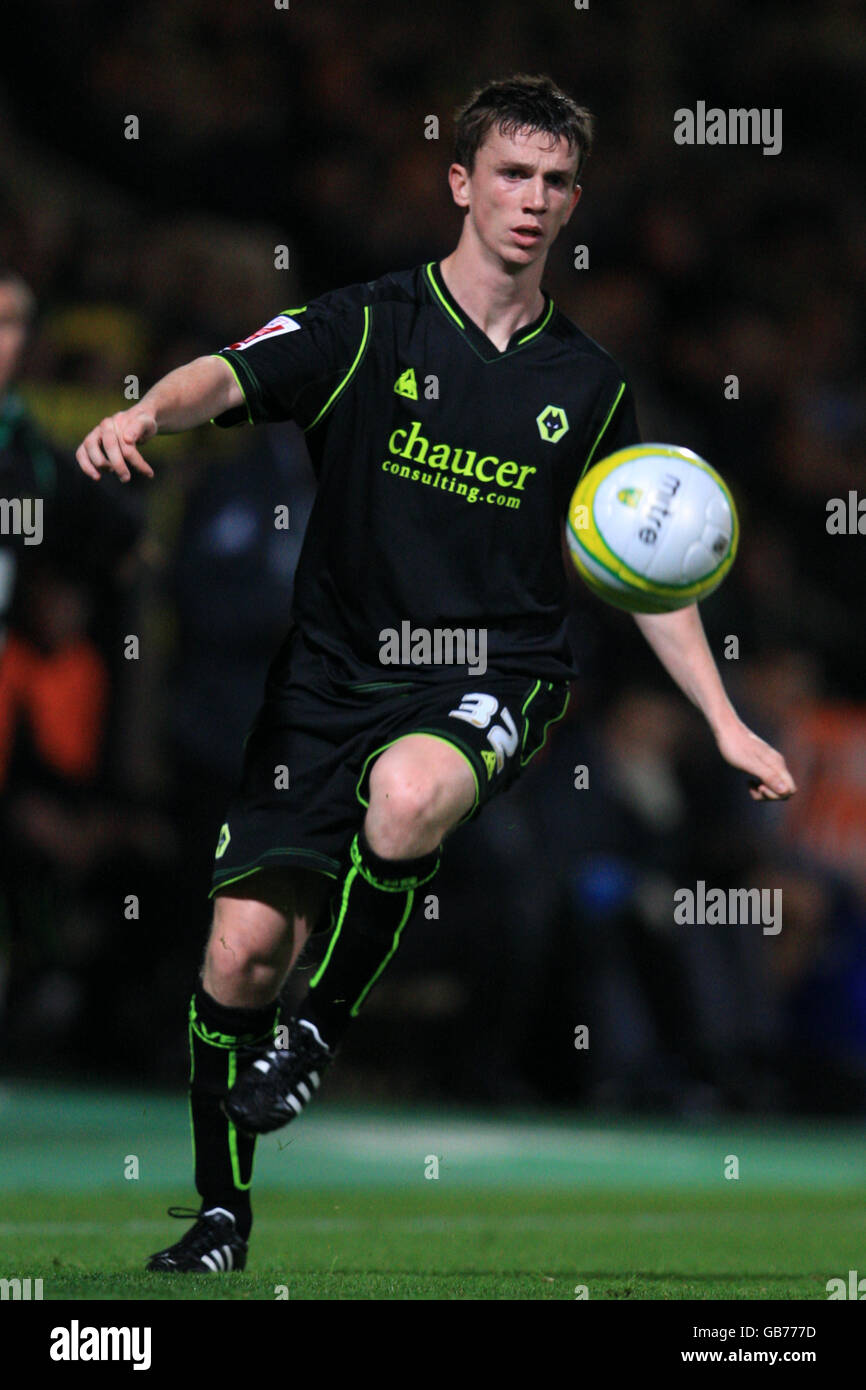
(307, 758)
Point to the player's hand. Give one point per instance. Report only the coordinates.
(769, 778)
(111, 446)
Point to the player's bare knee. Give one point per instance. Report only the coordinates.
(237, 977)
(405, 814)
(244, 960)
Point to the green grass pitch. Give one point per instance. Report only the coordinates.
(524, 1207)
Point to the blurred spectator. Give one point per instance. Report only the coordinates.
(231, 589)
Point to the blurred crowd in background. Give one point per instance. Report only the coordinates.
(305, 128)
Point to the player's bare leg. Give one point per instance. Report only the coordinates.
(254, 942)
(420, 789)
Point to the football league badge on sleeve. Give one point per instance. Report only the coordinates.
(281, 324)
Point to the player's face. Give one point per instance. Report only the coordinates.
(519, 195)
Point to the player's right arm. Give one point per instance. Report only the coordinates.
(189, 396)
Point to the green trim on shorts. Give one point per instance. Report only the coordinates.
(303, 855)
(362, 687)
(526, 703)
(555, 720)
(450, 739)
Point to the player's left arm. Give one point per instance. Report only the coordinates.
(679, 642)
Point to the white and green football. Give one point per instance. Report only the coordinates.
(652, 528)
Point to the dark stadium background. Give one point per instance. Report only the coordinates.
(305, 127)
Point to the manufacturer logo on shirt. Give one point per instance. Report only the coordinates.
(281, 324)
(406, 385)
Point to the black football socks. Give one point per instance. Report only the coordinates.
(221, 1042)
(371, 905)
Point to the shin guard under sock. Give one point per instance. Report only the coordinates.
(371, 905)
(220, 1040)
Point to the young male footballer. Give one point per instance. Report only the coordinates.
(449, 412)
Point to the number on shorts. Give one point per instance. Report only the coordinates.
(478, 709)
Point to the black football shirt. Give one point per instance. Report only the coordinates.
(444, 467)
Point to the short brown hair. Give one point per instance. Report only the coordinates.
(520, 103)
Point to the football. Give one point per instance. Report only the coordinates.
(652, 528)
